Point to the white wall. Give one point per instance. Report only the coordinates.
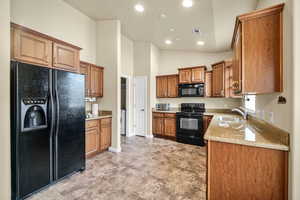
(267, 3)
(295, 140)
(109, 56)
(127, 56)
(58, 19)
(5, 100)
(169, 63)
(127, 66)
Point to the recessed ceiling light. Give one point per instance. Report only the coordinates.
(200, 43)
(177, 39)
(139, 8)
(172, 29)
(168, 42)
(163, 16)
(187, 3)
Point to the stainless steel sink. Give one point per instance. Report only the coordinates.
(229, 119)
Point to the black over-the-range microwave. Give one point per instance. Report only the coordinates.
(191, 90)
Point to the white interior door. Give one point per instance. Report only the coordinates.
(140, 93)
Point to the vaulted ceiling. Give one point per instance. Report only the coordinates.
(214, 18)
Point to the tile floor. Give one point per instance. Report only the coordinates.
(155, 169)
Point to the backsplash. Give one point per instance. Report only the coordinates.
(209, 102)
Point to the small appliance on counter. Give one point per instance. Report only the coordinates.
(162, 106)
(190, 124)
(191, 90)
(95, 109)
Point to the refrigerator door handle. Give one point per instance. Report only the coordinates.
(51, 105)
(56, 123)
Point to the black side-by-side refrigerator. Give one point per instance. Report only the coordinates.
(48, 127)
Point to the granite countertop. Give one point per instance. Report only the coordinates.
(252, 132)
(101, 115)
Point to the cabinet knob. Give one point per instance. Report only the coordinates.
(235, 85)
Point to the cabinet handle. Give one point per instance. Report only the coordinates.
(235, 85)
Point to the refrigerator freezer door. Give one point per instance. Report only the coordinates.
(31, 150)
(70, 123)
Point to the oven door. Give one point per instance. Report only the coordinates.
(190, 125)
(191, 90)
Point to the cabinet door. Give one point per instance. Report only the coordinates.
(91, 141)
(170, 125)
(218, 80)
(206, 121)
(85, 69)
(227, 81)
(198, 75)
(185, 76)
(30, 48)
(208, 84)
(101, 82)
(96, 81)
(161, 87)
(172, 86)
(105, 133)
(65, 58)
(237, 63)
(158, 124)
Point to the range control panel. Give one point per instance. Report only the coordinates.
(30, 101)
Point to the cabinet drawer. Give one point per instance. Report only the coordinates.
(91, 124)
(170, 115)
(155, 114)
(105, 122)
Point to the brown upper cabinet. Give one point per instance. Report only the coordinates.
(257, 47)
(30, 48)
(192, 75)
(96, 81)
(35, 48)
(167, 86)
(85, 70)
(93, 79)
(218, 81)
(65, 57)
(208, 83)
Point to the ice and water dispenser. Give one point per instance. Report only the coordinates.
(34, 114)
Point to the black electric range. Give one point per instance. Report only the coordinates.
(190, 124)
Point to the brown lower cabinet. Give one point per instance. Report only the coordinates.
(206, 121)
(97, 136)
(164, 125)
(245, 172)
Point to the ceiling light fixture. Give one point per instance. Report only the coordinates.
(187, 3)
(139, 8)
(200, 43)
(172, 29)
(163, 16)
(168, 42)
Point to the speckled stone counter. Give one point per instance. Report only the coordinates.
(101, 115)
(250, 132)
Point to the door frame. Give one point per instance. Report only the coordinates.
(128, 105)
(146, 105)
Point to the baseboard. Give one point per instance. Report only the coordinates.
(114, 150)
